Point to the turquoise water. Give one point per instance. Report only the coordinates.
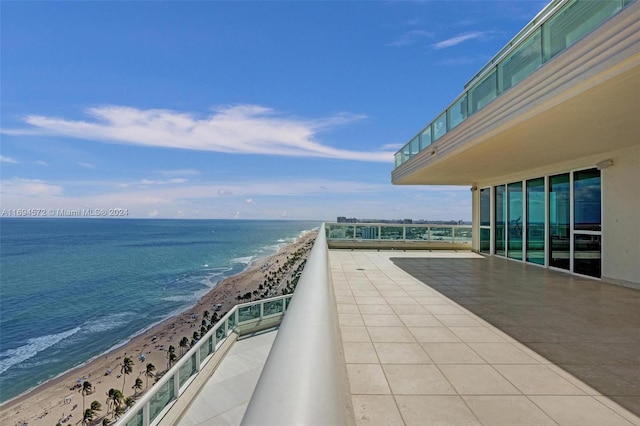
(71, 289)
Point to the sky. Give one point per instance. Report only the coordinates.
(250, 110)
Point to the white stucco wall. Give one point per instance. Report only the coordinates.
(621, 218)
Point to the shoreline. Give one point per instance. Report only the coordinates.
(59, 399)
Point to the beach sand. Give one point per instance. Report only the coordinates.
(57, 400)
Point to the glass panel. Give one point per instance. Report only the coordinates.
(485, 207)
(521, 62)
(425, 138)
(462, 235)
(273, 307)
(485, 240)
(500, 213)
(231, 322)
(221, 334)
(587, 255)
(483, 93)
(164, 394)
(340, 232)
(535, 221)
(248, 313)
(587, 209)
(288, 301)
(458, 112)
(398, 158)
(442, 234)
(414, 146)
(514, 214)
(573, 22)
(391, 232)
(367, 232)
(187, 370)
(206, 349)
(406, 152)
(559, 221)
(416, 233)
(439, 126)
(136, 420)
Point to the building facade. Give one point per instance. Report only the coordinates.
(547, 135)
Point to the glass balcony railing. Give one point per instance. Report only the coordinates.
(459, 234)
(557, 27)
(158, 400)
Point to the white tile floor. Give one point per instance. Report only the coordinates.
(224, 399)
(415, 357)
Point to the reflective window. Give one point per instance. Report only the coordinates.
(559, 221)
(587, 211)
(587, 255)
(514, 213)
(535, 221)
(485, 240)
(500, 216)
(485, 207)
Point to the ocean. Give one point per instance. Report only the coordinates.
(72, 289)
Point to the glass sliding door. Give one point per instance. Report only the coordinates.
(560, 221)
(514, 217)
(535, 221)
(500, 217)
(485, 220)
(587, 222)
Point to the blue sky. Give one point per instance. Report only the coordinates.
(253, 110)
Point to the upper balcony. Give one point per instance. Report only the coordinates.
(562, 87)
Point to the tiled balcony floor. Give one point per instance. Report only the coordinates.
(425, 351)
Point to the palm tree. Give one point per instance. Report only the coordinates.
(96, 406)
(127, 368)
(87, 387)
(88, 416)
(114, 398)
(149, 372)
(137, 386)
(172, 358)
(205, 315)
(105, 422)
(128, 402)
(184, 342)
(118, 412)
(195, 336)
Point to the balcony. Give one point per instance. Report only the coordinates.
(563, 85)
(428, 337)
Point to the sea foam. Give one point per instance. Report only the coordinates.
(11, 357)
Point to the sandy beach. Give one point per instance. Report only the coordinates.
(60, 400)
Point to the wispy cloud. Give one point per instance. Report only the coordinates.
(249, 201)
(392, 146)
(240, 129)
(163, 182)
(410, 37)
(86, 165)
(29, 188)
(460, 38)
(4, 159)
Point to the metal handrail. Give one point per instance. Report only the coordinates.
(302, 380)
